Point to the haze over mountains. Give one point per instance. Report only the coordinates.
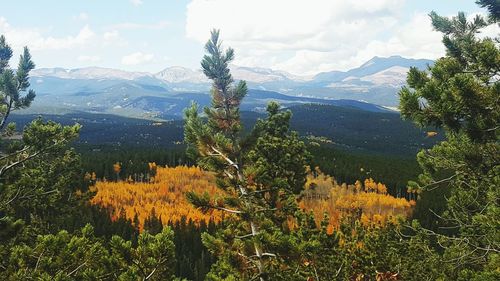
(372, 86)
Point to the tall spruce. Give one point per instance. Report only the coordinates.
(461, 94)
(217, 143)
(260, 175)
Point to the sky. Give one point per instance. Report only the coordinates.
(303, 37)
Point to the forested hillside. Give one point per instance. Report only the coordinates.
(350, 129)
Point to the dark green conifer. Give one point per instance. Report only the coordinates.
(461, 94)
(260, 174)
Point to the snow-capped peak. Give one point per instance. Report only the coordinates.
(179, 74)
(88, 73)
(262, 75)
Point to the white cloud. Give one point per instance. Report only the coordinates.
(137, 58)
(32, 37)
(490, 31)
(84, 58)
(82, 16)
(291, 23)
(113, 38)
(136, 2)
(415, 39)
(81, 38)
(306, 37)
(110, 35)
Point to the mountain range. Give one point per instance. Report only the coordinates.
(373, 86)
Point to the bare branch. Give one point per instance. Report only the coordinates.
(76, 269)
(150, 274)
(227, 210)
(439, 181)
(246, 235)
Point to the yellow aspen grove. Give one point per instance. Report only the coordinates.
(370, 201)
(165, 193)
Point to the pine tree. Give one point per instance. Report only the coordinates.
(14, 92)
(460, 94)
(216, 143)
(260, 174)
(38, 138)
(25, 190)
(82, 256)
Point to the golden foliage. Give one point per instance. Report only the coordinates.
(368, 201)
(165, 193)
(431, 134)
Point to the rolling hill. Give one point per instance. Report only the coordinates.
(349, 128)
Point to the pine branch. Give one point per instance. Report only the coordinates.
(7, 167)
(203, 203)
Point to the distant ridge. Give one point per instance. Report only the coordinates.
(178, 74)
(377, 82)
(374, 65)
